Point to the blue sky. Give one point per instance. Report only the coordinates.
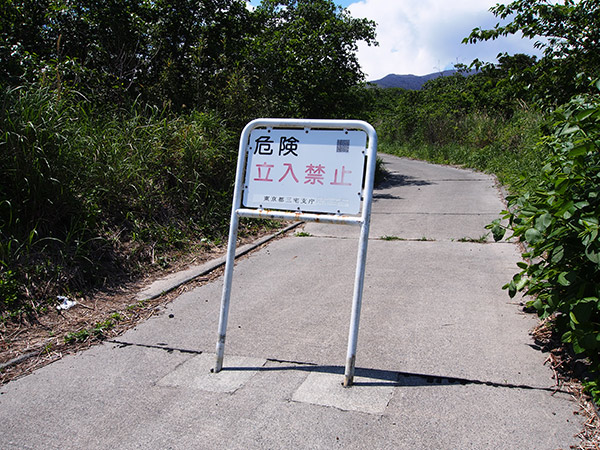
(424, 36)
(344, 3)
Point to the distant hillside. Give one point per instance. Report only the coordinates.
(411, 82)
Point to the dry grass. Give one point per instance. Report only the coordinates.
(567, 370)
(28, 345)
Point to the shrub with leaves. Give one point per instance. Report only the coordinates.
(559, 224)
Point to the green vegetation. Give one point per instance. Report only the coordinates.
(302, 234)
(96, 332)
(558, 218)
(536, 125)
(480, 240)
(568, 34)
(466, 120)
(88, 195)
(119, 124)
(559, 221)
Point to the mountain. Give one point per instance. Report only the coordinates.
(411, 82)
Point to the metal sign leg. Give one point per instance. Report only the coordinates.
(224, 314)
(356, 304)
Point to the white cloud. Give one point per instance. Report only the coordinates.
(421, 37)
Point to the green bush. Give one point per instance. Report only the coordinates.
(559, 223)
(87, 195)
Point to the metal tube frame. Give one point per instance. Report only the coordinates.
(363, 220)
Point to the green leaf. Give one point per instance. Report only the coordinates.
(560, 181)
(577, 347)
(557, 254)
(592, 254)
(573, 318)
(533, 236)
(521, 283)
(567, 337)
(584, 114)
(582, 310)
(581, 150)
(589, 221)
(567, 210)
(569, 130)
(589, 342)
(543, 222)
(563, 279)
(498, 232)
(512, 289)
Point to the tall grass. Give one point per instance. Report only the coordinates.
(87, 194)
(480, 140)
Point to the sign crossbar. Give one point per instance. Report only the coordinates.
(270, 144)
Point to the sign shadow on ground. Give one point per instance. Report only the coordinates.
(377, 377)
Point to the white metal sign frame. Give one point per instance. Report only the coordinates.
(282, 135)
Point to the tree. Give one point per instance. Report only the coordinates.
(503, 87)
(568, 33)
(169, 51)
(305, 56)
(22, 26)
(195, 48)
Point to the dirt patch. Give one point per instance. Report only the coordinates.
(30, 344)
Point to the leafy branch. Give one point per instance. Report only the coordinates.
(559, 223)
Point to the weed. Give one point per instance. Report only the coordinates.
(77, 336)
(9, 291)
(97, 331)
(101, 327)
(139, 304)
(481, 240)
(380, 171)
(484, 141)
(302, 234)
(558, 222)
(391, 238)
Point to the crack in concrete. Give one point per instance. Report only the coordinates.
(164, 347)
(382, 377)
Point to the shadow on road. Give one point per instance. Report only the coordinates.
(376, 377)
(368, 377)
(394, 180)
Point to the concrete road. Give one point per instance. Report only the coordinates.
(444, 357)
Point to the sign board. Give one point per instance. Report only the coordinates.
(311, 170)
(307, 170)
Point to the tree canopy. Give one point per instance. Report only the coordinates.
(293, 57)
(568, 32)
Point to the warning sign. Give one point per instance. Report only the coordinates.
(322, 170)
(306, 170)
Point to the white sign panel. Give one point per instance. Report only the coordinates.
(307, 170)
